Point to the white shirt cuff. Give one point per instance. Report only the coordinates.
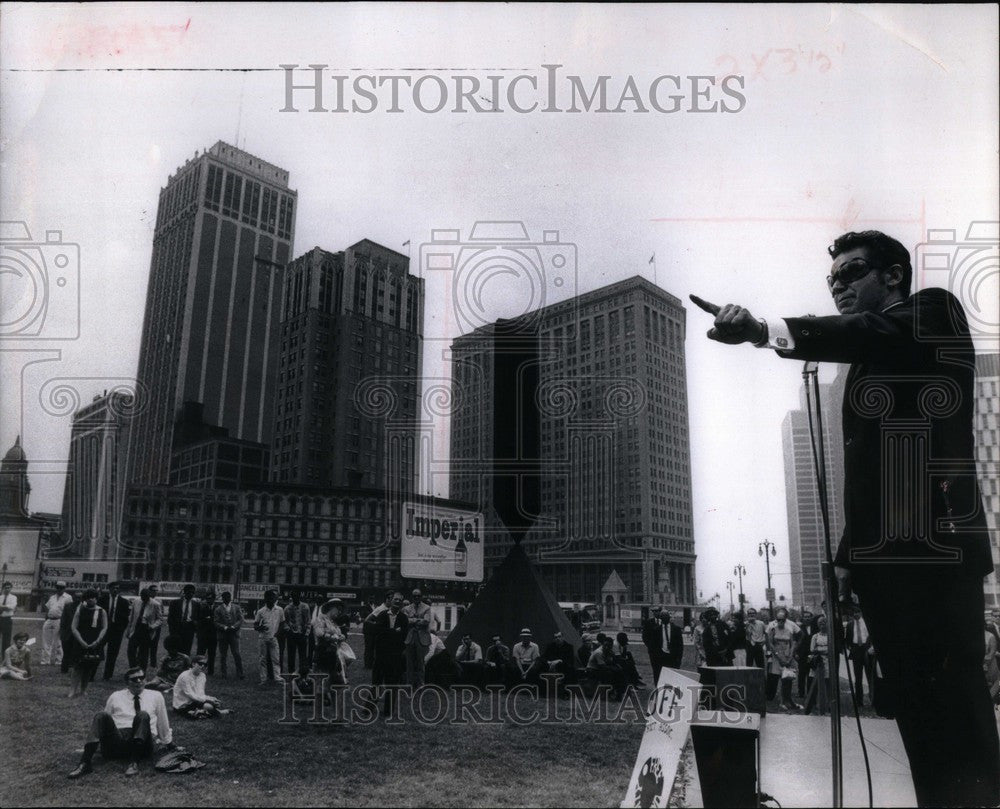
(778, 335)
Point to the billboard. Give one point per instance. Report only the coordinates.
(441, 543)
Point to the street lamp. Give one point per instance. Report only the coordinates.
(730, 586)
(740, 571)
(767, 550)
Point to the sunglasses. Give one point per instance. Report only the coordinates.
(849, 273)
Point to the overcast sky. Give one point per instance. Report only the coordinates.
(852, 118)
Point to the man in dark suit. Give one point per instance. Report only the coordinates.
(390, 630)
(117, 608)
(915, 528)
(664, 640)
(182, 619)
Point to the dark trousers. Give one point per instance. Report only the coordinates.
(114, 644)
(141, 649)
(862, 665)
(389, 672)
(297, 647)
(6, 633)
(185, 637)
(755, 655)
(657, 659)
(610, 675)
(229, 641)
(207, 643)
(805, 673)
(132, 743)
(472, 672)
(933, 671)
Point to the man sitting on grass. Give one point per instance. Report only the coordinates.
(133, 720)
(190, 698)
(172, 666)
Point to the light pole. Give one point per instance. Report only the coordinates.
(730, 586)
(767, 550)
(740, 571)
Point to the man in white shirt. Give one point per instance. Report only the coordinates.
(189, 696)
(8, 606)
(52, 651)
(861, 654)
(527, 659)
(469, 656)
(132, 722)
(266, 622)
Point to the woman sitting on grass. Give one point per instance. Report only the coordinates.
(17, 659)
(190, 698)
(173, 665)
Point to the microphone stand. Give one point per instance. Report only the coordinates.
(831, 591)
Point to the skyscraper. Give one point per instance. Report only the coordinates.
(806, 550)
(349, 370)
(224, 228)
(987, 436)
(95, 483)
(615, 450)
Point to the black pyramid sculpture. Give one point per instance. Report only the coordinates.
(515, 597)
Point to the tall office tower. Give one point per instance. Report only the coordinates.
(987, 437)
(495, 432)
(223, 235)
(615, 451)
(806, 551)
(96, 477)
(348, 375)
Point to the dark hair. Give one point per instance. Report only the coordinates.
(619, 637)
(21, 635)
(885, 251)
(89, 594)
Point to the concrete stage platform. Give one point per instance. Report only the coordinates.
(795, 763)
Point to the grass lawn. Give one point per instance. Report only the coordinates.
(251, 759)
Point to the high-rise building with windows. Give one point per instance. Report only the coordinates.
(987, 438)
(614, 466)
(806, 539)
(223, 235)
(96, 478)
(348, 376)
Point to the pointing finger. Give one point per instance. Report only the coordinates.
(704, 305)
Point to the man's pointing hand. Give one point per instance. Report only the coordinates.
(733, 323)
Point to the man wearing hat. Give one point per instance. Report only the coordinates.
(117, 608)
(133, 720)
(52, 650)
(182, 618)
(527, 659)
(418, 638)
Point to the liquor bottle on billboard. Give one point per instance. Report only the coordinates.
(461, 558)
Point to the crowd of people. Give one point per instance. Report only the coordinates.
(401, 647)
(794, 654)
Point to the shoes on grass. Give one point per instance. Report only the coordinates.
(81, 769)
(132, 769)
